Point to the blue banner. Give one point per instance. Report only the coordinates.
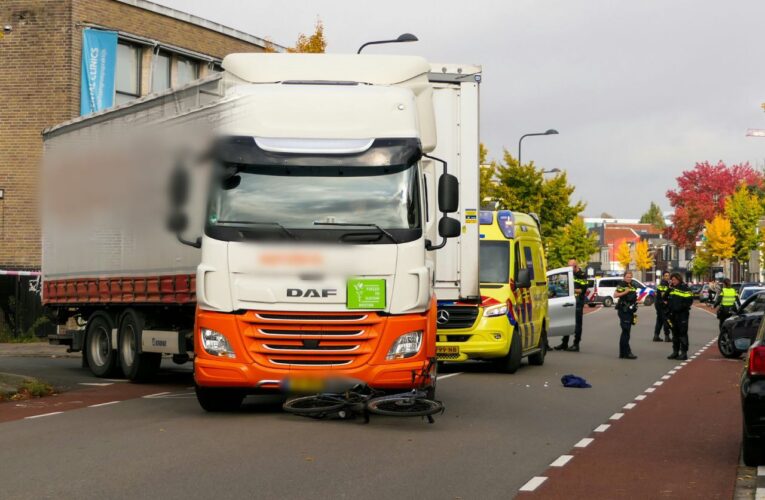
(99, 62)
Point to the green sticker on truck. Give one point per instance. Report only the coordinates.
(366, 293)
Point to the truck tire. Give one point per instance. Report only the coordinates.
(223, 399)
(608, 302)
(101, 357)
(538, 358)
(137, 366)
(511, 362)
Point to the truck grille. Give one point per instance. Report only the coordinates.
(458, 317)
(326, 340)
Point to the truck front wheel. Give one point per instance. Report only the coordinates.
(101, 357)
(215, 399)
(137, 366)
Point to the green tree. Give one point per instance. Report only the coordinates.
(744, 210)
(571, 242)
(702, 261)
(654, 216)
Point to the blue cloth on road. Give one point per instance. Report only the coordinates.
(574, 381)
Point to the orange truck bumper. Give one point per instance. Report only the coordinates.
(270, 347)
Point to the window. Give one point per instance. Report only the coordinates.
(160, 77)
(187, 71)
(494, 262)
(127, 80)
(529, 261)
(558, 285)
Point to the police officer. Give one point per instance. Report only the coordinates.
(725, 301)
(626, 308)
(580, 289)
(661, 310)
(679, 305)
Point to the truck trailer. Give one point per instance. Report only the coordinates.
(279, 220)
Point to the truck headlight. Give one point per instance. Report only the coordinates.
(216, 343)
(405, 346)
(498, 310)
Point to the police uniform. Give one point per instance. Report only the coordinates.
(580, 290)
(726, 299)
(679, 306)
(661, 311)
(626, 308)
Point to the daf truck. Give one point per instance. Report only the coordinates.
(279, 220)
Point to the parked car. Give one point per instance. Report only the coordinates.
(748, 291)
(605, 287)
(738, 331)
(752, 387)
(696, 290)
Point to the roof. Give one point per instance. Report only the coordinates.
(613, 234)
(199, 21)
(638, 228)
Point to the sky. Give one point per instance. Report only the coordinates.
(639, 91)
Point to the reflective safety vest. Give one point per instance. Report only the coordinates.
(681, 293)
(728, 297)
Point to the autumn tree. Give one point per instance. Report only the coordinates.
(643, 256)
(314, 43)
(744, 210)
(574, 241)
(700, 196)
(719, 239)
(624, 255)
(654, 216)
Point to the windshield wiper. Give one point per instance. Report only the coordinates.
(256, 223)
(354, 224)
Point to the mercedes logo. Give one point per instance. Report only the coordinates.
(442, 317)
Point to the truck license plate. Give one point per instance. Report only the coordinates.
(447, 350)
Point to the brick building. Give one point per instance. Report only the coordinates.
(40, 72)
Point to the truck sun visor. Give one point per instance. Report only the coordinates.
(317, 146)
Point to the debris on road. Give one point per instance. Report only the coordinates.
(571, 380)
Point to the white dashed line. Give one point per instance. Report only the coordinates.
(602, 428)
(97, 384)
(441, 377)
(103, 404)
(672, 372)
(629, 406)
(617, 416)
(684, 363)
(640, 397)
(650, 389)
(43, 415)
(533, 483)
(155, 395)
(666, 377)
(561, 460)
(658, 383)
(761, 470)
(584, 443)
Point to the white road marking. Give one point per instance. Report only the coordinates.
(650, 389)
(666, 377)
(121, 380)
(155, 395)
(672, 372)
(629, 406)
(533, 483)
(658, 383)
(441, 377)
(684, 363)
(561, 460)
(98, 384)
(103, 404)
(43, 415)
(584, 443)
(640, 397)
(602, 428)
(761, 470)
(617, 416)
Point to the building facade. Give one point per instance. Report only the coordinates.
(41, 58)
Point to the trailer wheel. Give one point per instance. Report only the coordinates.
(219, 399)
(101, 357)
(137, 366)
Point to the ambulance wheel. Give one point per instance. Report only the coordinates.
(511, 362)
(608, 302)
(99, 351)
(538, 358)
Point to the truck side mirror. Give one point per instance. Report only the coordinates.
(178, 188)
(177, 222)
(523, 280)
(448, 193)
(449, 228)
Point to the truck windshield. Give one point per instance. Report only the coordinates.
(305, 197)
(495, 262)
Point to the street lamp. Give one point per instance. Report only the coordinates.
(549, 132)
(406, 37)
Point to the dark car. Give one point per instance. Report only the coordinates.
(753, 401)
(696, 289)
(738, 331)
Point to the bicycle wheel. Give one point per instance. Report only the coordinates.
(404, 406)
(318, 405)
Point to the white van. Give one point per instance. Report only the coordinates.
(606, 287)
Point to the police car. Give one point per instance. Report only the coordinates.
(603, 292)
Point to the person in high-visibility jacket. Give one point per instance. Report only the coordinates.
(662, 291)
(679, 305)
(725, 302)
(626, 309)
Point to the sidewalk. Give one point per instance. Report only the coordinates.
(681, 440)
(37, 350)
